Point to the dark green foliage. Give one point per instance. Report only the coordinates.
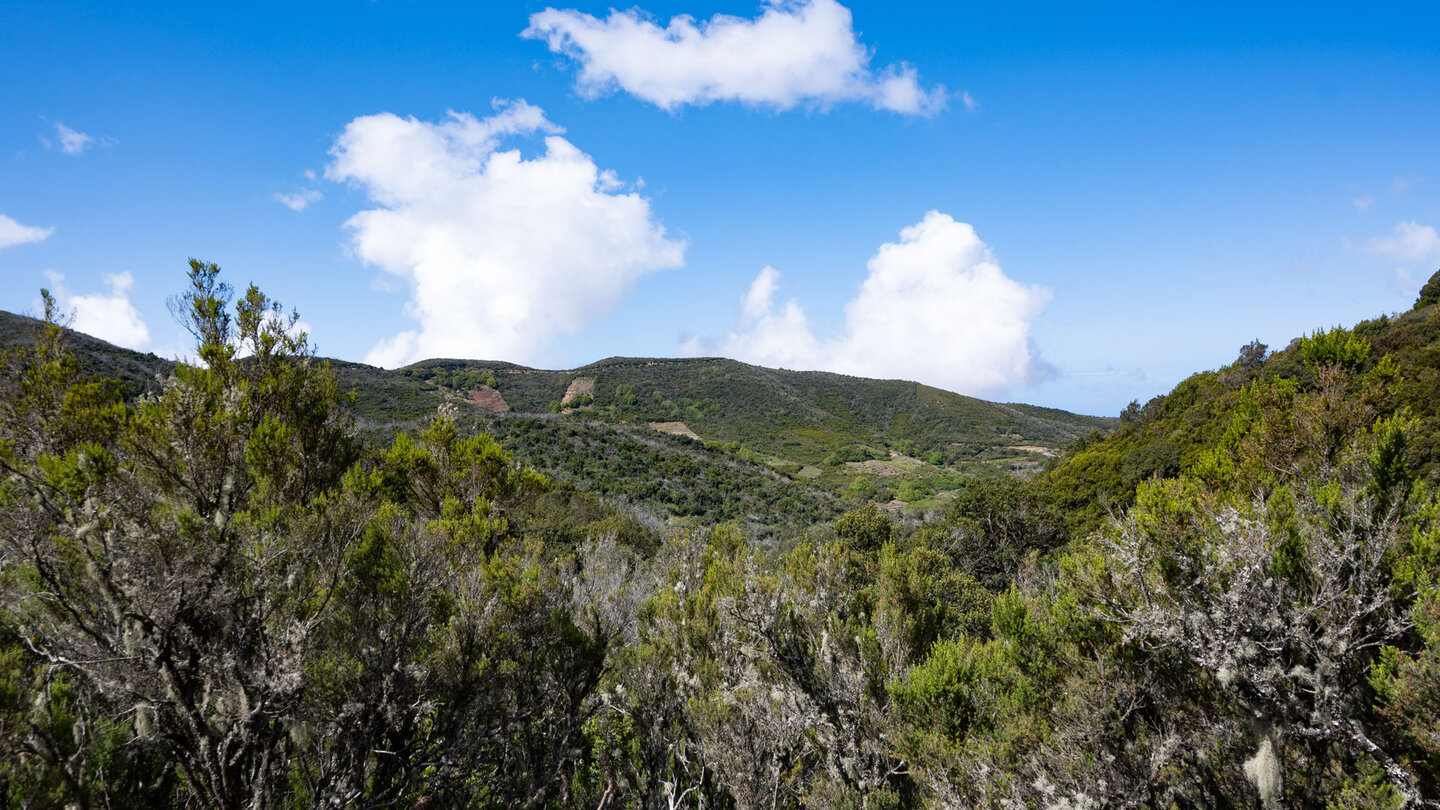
(95, 358)
(447, 376)
(669, 475)
(1158, 459)
(385, 402)
(1408, 684)
(850, 453)
(865, 529)
(1430, 293)
(996, 523)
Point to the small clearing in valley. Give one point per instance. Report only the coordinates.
(675, 429)
(1031, 448)
(875, 467)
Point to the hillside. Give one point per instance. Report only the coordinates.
(861, 439)
(1178, 433)
(828, 428)
(136, 370)
(707, 439)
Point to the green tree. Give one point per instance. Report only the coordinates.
(1430, 293)
(997, 523)
(169, 556)
(213, 598)
(866, 528)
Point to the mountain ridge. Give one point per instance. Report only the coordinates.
(807, 415)
(803, 437)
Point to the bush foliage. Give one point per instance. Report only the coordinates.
(226, 593)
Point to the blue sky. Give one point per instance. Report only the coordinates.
(1073, 207)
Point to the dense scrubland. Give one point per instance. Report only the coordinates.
(248, 584)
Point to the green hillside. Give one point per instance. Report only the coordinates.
(97, 358)
(859, 438)
(801, 423)
(774, 447)
(1211, 411)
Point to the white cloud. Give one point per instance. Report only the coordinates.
(109, 317)
(71, 141)
(765, 337)
(299, 200)
(1404, 283)
(1362, 203)
(935, 308)
(795, 52)
(500, 253)
(971, 105)
(1410, 242)
(1411, 245)
(756, 302)
(13, 233)
(1402, 184)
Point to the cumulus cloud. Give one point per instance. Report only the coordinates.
(1409, 242)
(13, 233)
(935, 307)
(795, 52)
(501, 253)
(299, 200)
(107, 316)
(757, 302)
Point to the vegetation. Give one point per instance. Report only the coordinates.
(786, 422)
(672, 477)
(788, 416)
(235, 591)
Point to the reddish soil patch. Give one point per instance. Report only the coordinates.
(488, 398)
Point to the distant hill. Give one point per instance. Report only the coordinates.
(710, 438)
(797, 416)
(136, 370)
